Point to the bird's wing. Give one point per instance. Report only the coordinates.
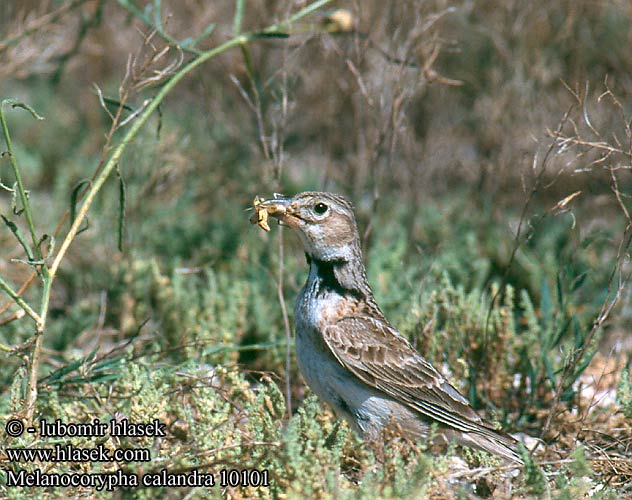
(379, 356)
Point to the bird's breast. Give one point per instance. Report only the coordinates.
(365, 408)
(313, 312)
(317, 306)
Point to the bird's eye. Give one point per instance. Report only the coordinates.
(320, 208)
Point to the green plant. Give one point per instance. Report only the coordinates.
(36, 255)
(624, 393)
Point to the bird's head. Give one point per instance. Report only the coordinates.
(324, 221)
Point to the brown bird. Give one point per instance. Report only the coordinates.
(347, 351)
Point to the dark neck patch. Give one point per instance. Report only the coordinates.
(326, 272)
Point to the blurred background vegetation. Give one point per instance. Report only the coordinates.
(486, 146)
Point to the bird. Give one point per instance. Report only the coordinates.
(348, 352)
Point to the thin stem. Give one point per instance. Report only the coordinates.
(239, 17)
(49, 274)
(20, 291)
(118, 151)
(519, 236)
(20, 301)
(288, 330)
(42, 22)
(299, 15)
(31, 396)
(169, 85)
(143, 118)
(613, 295)
(277, 153)
(139, 14)
(257, 105)
(8, 319)
(16, 172)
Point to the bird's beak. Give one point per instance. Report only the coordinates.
(276, 207)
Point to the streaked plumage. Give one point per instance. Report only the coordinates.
(348, 352)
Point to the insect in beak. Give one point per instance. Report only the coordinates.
(277, 207)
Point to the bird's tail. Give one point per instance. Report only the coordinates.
(495, 442)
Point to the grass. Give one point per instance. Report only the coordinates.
(496, 228)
